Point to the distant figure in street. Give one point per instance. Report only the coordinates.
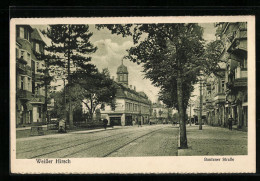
(105, 121)
(140, 122)
(112, 123)
(133, 122)
(230, 121)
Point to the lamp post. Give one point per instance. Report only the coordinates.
(200, 104)
(191, 106)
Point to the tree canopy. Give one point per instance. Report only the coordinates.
(71, 44)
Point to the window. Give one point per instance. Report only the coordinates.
(244, 64)
(37, 66)
(37, 47)
(22, 54)
(36, 89)
(22, 82)
(125, 77)
(222, 86)
(17, 52)
(29, 83)
(39, 111)
(121, 78)
(21, 32)
(28, 57)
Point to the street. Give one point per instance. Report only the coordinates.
(154, 140)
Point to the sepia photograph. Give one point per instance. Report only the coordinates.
(166, 89)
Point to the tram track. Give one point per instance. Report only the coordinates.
(109, 153)
(106, 139)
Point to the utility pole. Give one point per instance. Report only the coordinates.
(190, 114)
(65, 99)
(200, 107)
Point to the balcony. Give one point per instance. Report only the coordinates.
(23, 68)
(240, 82)
(23, 94)
(220, 98)
(238, 40)
(37, 100)
(240, 73)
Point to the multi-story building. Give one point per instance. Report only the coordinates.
(160, 113)
(227, 93)
(29, 95)
(129, 104)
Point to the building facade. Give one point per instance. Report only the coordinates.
(29, 95)
(130, 105)
(160, 113)
(227, 94)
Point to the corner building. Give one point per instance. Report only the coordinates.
(130, 104)
(227, 95)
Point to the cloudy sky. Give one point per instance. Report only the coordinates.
(112, 48)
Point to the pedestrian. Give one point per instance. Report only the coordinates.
(133, 122)
(230, 121)
(105, 121)
(112, 123)
(140, 123)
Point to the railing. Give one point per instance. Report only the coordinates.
(24, 68)
(23, 94)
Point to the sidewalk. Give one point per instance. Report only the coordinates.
(214, 141)
(56, 134)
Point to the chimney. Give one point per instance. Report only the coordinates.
(134, 88)
(130, 86)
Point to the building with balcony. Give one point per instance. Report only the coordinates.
(29, 95)
(129, 104)
(227, 93)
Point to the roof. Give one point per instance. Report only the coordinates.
(36, 35)
(26, 45)
(127, 93)
(122, 69)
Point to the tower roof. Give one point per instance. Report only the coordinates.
(122, 69)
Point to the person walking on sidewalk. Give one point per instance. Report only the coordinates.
(230, 122)
(105, 121)
(112, 124)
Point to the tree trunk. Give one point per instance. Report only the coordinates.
(45, 106)
(69, 84)
(183, 137)
(200, 108)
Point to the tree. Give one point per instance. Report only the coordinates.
(71, 42)
(45, 78)
(94, 90)
(171, 57)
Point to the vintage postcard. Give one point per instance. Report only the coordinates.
(132, 95)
